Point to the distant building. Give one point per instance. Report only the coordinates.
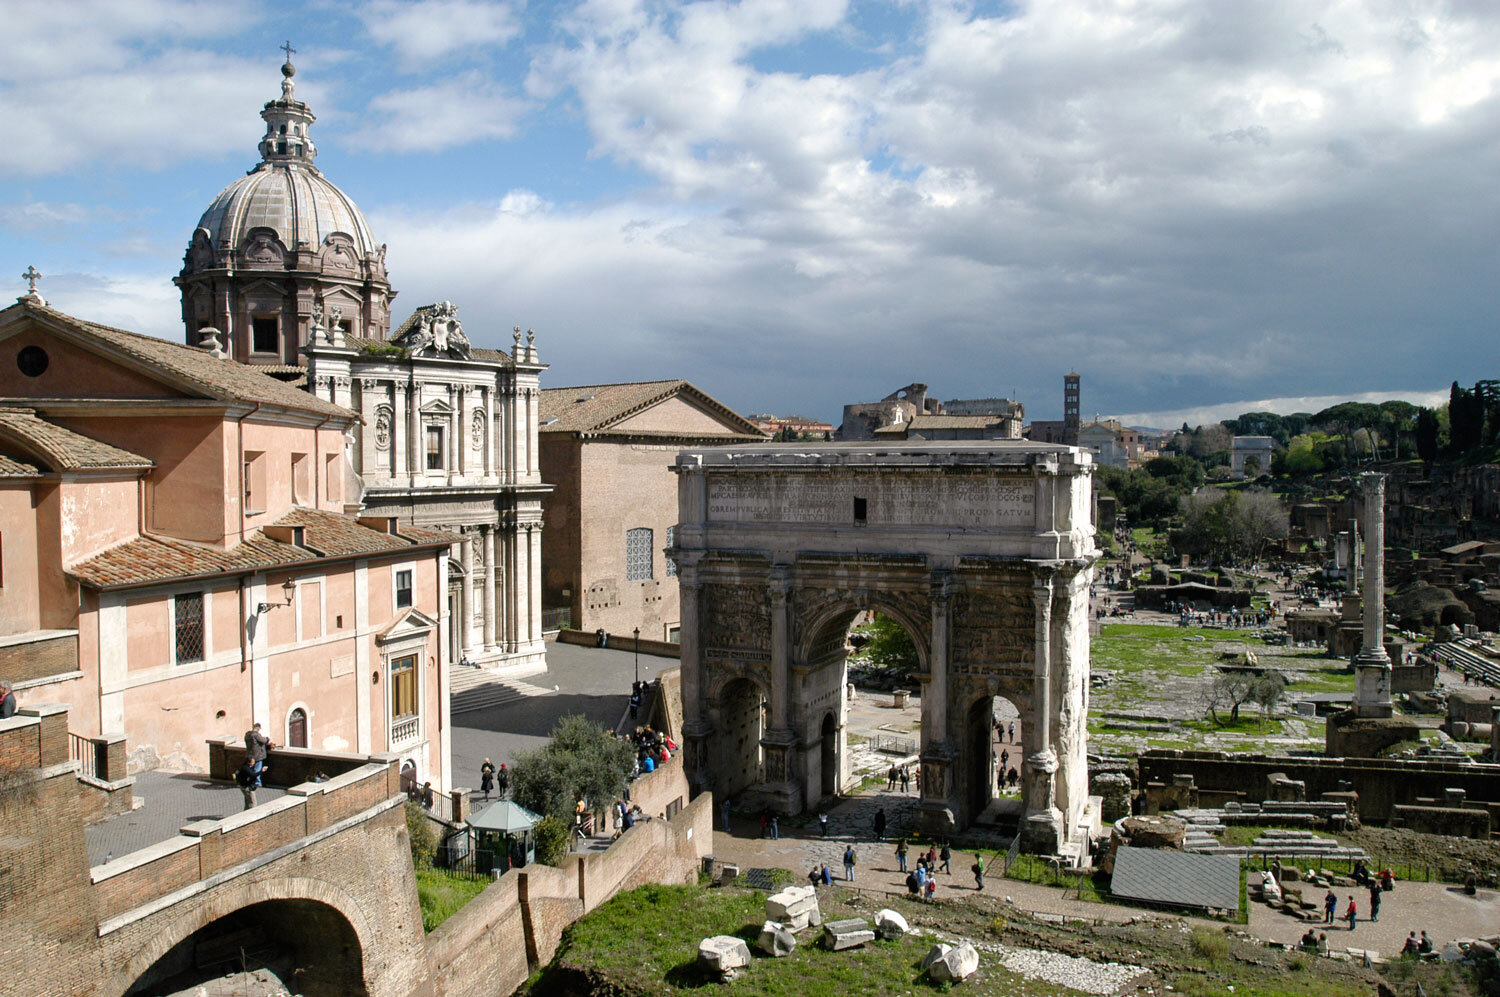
(607, 450)
(775, 425)
(953, 427)
(862, 419)
(1064, 430)
(1245, 449)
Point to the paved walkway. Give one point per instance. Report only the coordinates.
(167, 802)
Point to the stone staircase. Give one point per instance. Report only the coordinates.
(472, 689)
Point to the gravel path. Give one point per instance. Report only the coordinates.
(1069, 971)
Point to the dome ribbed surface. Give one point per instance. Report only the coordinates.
(298, 203)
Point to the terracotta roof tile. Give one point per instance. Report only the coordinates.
(228, 380)
(151, 559)
(62, 449)
(592, 408)
(12, 468)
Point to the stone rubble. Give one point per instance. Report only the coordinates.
(953, 963)
(847, 934)
(724, 955)
(775, 940)
(796, 907)
(1074, 972)
(890, 925)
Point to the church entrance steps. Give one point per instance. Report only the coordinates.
(476, 689)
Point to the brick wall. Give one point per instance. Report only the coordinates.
(481, 949)
(39, 659)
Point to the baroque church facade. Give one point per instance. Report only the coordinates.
(283, 271)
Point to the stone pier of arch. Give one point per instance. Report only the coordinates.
(982, 551)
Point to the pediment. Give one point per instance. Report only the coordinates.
(79, 366)
(437, 407)
(411, 623)
(678, 413)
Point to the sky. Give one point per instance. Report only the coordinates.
(797, 204)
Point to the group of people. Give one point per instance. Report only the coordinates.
(248, 776)
(652, 749)
(902, 774)
(491, 780)
(1233, 617)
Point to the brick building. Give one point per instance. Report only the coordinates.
(606, 449)
(175, 561)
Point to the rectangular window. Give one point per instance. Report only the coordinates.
(403, 589)
(333, 478)
(671, 564)
(434, 448)
(638, 554)
(859, 510)
(301, 479)
(255, 481)
(404, 687)
(188, 624)
(265, 335)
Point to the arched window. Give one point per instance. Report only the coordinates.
(296, 728)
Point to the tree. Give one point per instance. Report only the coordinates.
(551, 836)
(582, 761)
(1465, 420)
(1231, 526)
(1267, 692)
(420, 835)
(1228, 691)
(889, 646)
(1427, 435)
(1345, 420)
(1252, 466)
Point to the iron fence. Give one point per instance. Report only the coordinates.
(891, 745)
(560, 618)
(86, 753)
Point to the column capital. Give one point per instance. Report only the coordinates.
(941, 587)
(779, 584)
(1043, 578)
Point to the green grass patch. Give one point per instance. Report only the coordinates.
(442, 894)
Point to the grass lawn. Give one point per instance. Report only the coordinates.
(441, 894)
(1143, 648)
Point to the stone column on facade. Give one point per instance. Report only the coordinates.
(1372, 666)
(416, 450)
(400, 398)
(696, 730)
(453, 442)
(487, 534)
(937, 754)
(534, 583)
(366, 448)
(1043, 828)
(465, 621)
(779, 739)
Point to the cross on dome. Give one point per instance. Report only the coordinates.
(31, 276)
(287, 123)
(287, 48)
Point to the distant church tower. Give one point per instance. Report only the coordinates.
(279, 242)
(1070, 408)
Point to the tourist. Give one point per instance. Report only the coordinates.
(7, 700)
(827, 876)
(1387, 880)
(823, 824)
(1410, 948)
(502, 781)
(815, 877)
(1424, 947)
(932, 857)
(891, 777)
(244, 777)
(486, 778)
(256, 746)
(849, 863)
(1012, 777)
(1012, 738)
(1361, 873)
(901, 854)
(724, 815)
(1310, 941)
(1330, 907)
(1322, 943)
(1004, 760)
(905, 778)
(921, 878)
(917, 780)
(1351, 913)
(931, 893)
(978, 869)
(911, 884)
(1374, 900)
(775, 828)
(946, 855)
(880, 824)
(428, 798)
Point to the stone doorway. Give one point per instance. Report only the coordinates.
(982, 552)
(994, 800)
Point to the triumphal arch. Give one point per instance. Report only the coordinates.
(983, 551)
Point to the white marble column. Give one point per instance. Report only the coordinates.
(400, 398)
(1372, 666)
(1044, 825)
(534, 583)
(465, 622)
(491, 566)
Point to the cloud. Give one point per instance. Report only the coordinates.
(140, 302)
(429, 31)
(28, 216)
(1281, 406)
(451, 112)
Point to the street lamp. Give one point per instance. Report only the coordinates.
(637, 658)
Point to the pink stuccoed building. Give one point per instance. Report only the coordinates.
(176, 561)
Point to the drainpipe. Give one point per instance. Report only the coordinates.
(240, 426)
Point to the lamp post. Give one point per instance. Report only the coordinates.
(637, 658)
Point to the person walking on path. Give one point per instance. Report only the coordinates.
(486, 778)
(256, 746)
(724, 815)
(946, 856)
(1004, 759)
(502, 781)
(1330, 906)
(823, 823)
(901, 854)
(244, 777)
(775, 829)
(880, 824)
(849, 863)
(1374, 901)
(932, 857)
(905, 779)
(891, 777)
(978, 869)
(1012, 732)
(1351, 913)
(917, 779)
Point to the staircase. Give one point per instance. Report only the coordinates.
(476, 689)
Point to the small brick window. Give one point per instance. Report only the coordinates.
(671, 564)
(638, 554)
(188, 626)
(403, 589)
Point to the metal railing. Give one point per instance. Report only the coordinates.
(892, 745)
(1011, 854)
(86, 753)
(557, 619)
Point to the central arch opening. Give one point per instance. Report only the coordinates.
(298, 946)
(744, 723)
(994, 742)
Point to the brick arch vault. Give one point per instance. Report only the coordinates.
(982, 551)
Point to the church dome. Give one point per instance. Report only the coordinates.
(293, 200)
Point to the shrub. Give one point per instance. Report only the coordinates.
(583, 761)
(1210, 945)
(551, 835)
(423, 840)
(999, 924)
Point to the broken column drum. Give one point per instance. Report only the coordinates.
(983, 552)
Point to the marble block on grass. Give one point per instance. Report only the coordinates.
(890, 925)
(775, 940)
(847, 934)
(958, 963)
(725, 955)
